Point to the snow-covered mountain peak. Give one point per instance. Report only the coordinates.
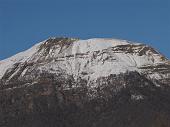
(88, 45)
(68, 82)
(89, 59)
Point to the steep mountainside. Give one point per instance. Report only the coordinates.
(67, 82)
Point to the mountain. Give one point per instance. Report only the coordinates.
(68, 82)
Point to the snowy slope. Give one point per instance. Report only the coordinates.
(18, 58)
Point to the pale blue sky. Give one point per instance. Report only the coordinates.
(26, 22)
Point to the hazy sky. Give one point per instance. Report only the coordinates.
(26, 22)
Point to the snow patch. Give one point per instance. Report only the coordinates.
(137, 97)
(91, 45)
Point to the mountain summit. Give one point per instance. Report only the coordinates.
(68, 82)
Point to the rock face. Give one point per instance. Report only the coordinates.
(66, 82)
